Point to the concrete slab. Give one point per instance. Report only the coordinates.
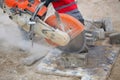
(100, 60)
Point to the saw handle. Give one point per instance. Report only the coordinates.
(37, 10)
(27, 5)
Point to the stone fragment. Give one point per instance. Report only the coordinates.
(115, 38)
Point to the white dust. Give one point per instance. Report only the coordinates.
(11, 37)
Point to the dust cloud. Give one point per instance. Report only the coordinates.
(11, 37)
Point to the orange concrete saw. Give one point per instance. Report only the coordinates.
(60, 30)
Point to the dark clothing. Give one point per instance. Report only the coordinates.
(75, 13)
(47, 2)
(66, 6)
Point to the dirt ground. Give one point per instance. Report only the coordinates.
(10, 56)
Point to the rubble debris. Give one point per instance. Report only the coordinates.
(104, 23)
(93, 35)
(100, 33)
(90, 38)
(107, 25)
(97, 30)
(115, 38)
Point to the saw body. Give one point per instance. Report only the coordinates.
(58, 30)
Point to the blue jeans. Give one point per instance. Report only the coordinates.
(76, 13)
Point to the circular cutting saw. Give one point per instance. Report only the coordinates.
(60, 30)
(72, 27)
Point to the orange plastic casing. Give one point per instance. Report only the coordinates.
(26, 5)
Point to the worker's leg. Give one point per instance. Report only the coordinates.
(76, 13)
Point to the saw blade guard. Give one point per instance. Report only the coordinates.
(72, 27)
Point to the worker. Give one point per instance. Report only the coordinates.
(66, 6)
